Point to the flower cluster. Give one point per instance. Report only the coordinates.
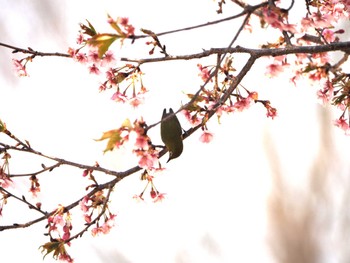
(143, 148)
(317, 27)
(57, 246)
(155, 195)
(213, 97)
(105, 227)
(122, 26)
(142, 144)
(277, 18)
(338, 91)
(5, 179)
(59, 224)
(97, 202)
(59, 227)
(99, 59)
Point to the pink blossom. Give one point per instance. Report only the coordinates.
(20, 68)
(102, 87)
(130, 30)
(110, 74)
(72, 52)
(80, 39)
(277, 20)
(58, 220)
(108, 58)
(81, 58)
(288, 27)
(253, 95)
(326, 94)
(242, 104)
(135, 101)
(123, 21)
(274, 70)
(95, 231)
(87, 218)
(93, 56)
(193, 119)
(5, 181)
(321, 20)
(119, 97)
(206, 137)
(83, 204)
(142, 142)
(204, 72)
(342, 124)
(66, 235)
(339, 9)
(34, 190)
(65, 257)
(147, 160)
(106, 227)
(228, 108)
(323, 58)
(271, 112)
(160, 197)
(94, 70)
(306, 23)
(328, 35)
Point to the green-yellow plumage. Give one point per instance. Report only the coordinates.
(171, 133)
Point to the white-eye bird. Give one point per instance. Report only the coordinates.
(171, 134)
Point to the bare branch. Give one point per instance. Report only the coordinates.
(33, 52)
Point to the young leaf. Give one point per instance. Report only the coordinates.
(102, 42)
(89, 30)
(113, 137)
(2, 126)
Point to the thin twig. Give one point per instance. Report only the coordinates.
(247, 9)
(69, 207)
(33, 52)
(31, 206)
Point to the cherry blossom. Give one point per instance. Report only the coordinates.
(343, 124)
(206, 137)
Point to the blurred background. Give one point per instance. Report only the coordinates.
(262, 191)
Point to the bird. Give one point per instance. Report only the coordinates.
(171, 134)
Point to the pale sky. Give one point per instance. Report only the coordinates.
(216, 205)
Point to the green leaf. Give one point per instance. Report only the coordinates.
(113, 137)
(49, 247)
(127, 124)
(102, 42)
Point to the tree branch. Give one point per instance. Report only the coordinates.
(339, 46)
(100, 187)
(33, 52)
